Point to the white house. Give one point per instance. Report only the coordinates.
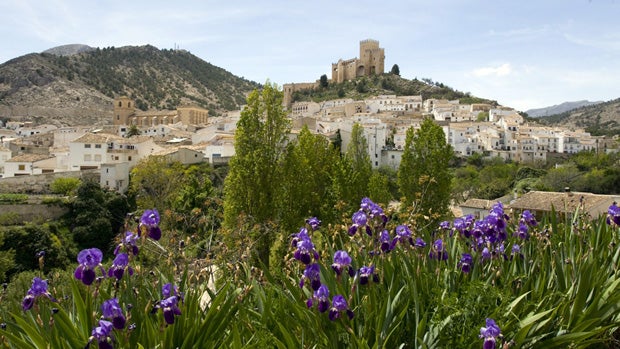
(29, 164)
(89, 151)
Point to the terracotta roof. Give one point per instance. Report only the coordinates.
(29, 158)
(95, 138)
(478, 203)
(566, 202)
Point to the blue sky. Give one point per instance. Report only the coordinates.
(524, 54)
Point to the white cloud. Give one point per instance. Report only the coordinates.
(502, 70)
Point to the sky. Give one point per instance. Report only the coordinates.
(524, 54)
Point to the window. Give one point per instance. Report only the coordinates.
(129, 158)
(98, 146)
(98, 157)
(87, 157)
(21, 167)
(86, 145)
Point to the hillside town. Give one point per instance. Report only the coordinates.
(189, 135)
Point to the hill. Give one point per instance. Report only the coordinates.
(75, 86)
(598, 119)
(559, 108)
(386, 84)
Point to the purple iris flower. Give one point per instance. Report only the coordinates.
(438, 252)
(170, 309)
(613, 214)
(490, 334)
(339, 305)
(359, 221)
(150, 220)
(305, 251)
(129, 243)
(516, 251)
(169, 290)
(462, 226)
(120, 264)
(302, 235)
(321, 296)
(103, 334)
(403, 233)
(522, 232)
(528, 218)
(366, 273)
(385, 240)
(37, 289)
(486, 254)
(89, 259)
(312, 273)
(313, 222)
(342, 260)
(112, 310)
(419, 243)
(466, 262)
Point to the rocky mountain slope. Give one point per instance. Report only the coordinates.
(74, 85)
(559, 108)
(599, 119)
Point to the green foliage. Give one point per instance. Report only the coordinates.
(307, 169)
(155, 181)
(9, 198)
(323, 82)
(363, 87)
(395, 70)
(358, 158)
(96, 216)
(7, 257)
(65, 185)
(133, 131)
(252, 187)
(30, 239)
(379, 188)
(424, 178)
(139, 71)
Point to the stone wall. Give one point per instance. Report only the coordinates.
(40, 184)
(19, 214)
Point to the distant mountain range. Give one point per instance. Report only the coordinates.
(559, 108)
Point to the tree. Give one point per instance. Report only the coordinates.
(323, 81)
(96, 216)
(307, 167)
(379, 188)
(395, 70)
(154, 181)
(255, 175)
(424, 177)
(359, 160)
(133, 131)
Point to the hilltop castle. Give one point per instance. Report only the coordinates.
(370, 62)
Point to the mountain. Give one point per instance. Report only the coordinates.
(559, 108)
(72, 85)
(599, 119)
(68, 50)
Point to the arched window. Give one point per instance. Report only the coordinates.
(120, 104)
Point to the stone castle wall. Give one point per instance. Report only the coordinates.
(40, 184)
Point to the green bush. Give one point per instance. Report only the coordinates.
(9, 198)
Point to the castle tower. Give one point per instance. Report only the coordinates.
(123, 108)
(372, 58)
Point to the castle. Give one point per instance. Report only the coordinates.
(125, 113)
(370, 62)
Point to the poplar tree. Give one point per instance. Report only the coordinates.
(252, 185)
(308, 167)
(424, 177)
